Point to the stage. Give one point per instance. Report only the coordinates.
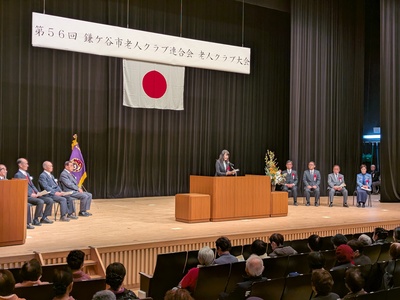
(135, 230)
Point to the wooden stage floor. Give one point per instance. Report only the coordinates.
(118, 222)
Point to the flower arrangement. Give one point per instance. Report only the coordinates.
(272, 169)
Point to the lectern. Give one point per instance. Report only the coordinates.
(13, 211)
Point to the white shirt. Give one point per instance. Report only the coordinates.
(23, 172)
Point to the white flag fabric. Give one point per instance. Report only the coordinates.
(150, 85)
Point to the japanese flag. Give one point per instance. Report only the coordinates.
(150, 85)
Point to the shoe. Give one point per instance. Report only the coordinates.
(358, 204)
(295, 204)
(308, 204)
(88, 213)
(46, 221)
(330, 204)
(83, 214)
(36, 223)
(29, 226)
(345, 205)
(316, 204)
(65, 219)
(363, 205)
(72, 217)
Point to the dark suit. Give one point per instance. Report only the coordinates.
(47, 182)
(68, 183)
(311, 180)
(336, 180)
(291, 178)
(242, 289)
(221, 168)
(376, 181)
(38, 202)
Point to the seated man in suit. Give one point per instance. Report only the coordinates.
(311, 180)
(336, 184)
(376, 179)
(364, 182)
(48, 182)
(254, 270)
(33, 197)
(69, 184)
(291, 181)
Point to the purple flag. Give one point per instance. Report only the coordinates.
(78, 161)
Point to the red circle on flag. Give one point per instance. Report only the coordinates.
(154, 84)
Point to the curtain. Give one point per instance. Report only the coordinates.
(327, 84)
(48, 95)
(390, 100)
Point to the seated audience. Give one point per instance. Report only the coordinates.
(276, 241)
(394, 252)
(338, 239)
(376, 179)
(206, 258)
(223, 245)
(322, 283)
(62, 284)
(7, 284)
(75, 260)
(364, 183)
(355, 283)
(380, 236)
(314, 243)
(396, 234)
(316, 260)
(31, 272)
(254, 270)
(365, 239)
(104, 295)
(259, 247)
(115, 275)
(344, 257)
(358, 248)
(178, 294)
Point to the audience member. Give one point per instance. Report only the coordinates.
(396, 234)
(291, 181)
(178, 294)
(322, 283)
(254, 270)
(338, 239)
(311, 180)
(380, 236)
(31, 272)
(62, 284)
(314, 243)
(7, 284)
(316, 260)
(364, 182)
(223, 245)
(376, 179)
(359, 258)
(259, 247)
(115, 275)
(344, 257)
(394, 251)
(75, 261)
(104, 295)
(387, 279)
(355, 283)
(365, 239)
(336, 184)
(276, 241)
(206, 258)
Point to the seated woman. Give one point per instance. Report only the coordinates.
(62, 284)
(354, 283)
(206, 258)
(115, 275)
(364, 182)
(276, 241)
(7, 284)
(322, 284)
(31, 272)
(75, 260)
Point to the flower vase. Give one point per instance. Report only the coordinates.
(273, 187)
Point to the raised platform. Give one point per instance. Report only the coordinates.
(133, 231)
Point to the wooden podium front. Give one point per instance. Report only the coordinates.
(235, 197)
(13, 211)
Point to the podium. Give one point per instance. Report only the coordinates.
(235, 197)
(13, 211)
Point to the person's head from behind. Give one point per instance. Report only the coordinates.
(322, 282)
(104, 295)
(115, 275)
(338, 239)
(75, 259)
(354, 280)
(380, 234)
(316, 260)
(396, 234)
(357, 247)
(223, 244)
(31, 270)
(365, 239)
(254, 266)
(178, 294)
(394, 251)
(276, 240)
(314, 242)
(259, 247)
(62, 282)
(344, 254)
(7, 283)
(205, 256)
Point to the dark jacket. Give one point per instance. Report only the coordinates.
(242, 289)
(283, 251)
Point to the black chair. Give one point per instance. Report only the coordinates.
(275, 267)
(48, 271)
(390, 238)
(237, 250)
(339, 285)
(301, 246)
(86, 289)
(16, 274)
(330, 258)
(373, 252)
(270, 289)
(246, 251)
(396, 274)
(373, 282)
(384, 254)
(191, 260)
(237, 274)
(380, 295)
(39, 292)
(326, 243)
(393, 293)
(298, 288)
(369, 200)
(211, 282)
(298, 263)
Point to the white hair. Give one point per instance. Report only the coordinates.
(104, 295)
(254, 265)
(365, 239)
(206, 256)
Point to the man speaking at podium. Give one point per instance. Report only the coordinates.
(223, 167)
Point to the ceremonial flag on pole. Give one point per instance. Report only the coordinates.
(78, 162)
(151, 85)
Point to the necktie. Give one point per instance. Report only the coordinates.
(336, 176)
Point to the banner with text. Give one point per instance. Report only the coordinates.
(94, 38)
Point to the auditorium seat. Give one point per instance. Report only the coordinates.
(393, 293)
(246, 251)
(298, 263)
(237, 250)
(167, 274)
(326, 243)
(380, 295)
(86, 289)
(236, 275)
(211, 282)
(339, 285)
(268, 290)
(396, 274)
(374, 281)
(301, 246)
(384, 254)
(330, 258)
(191, 260)
(275, 267)
(373, 252)
(298, 288)
(40, 292)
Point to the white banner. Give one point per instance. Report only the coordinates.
(94, 38)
